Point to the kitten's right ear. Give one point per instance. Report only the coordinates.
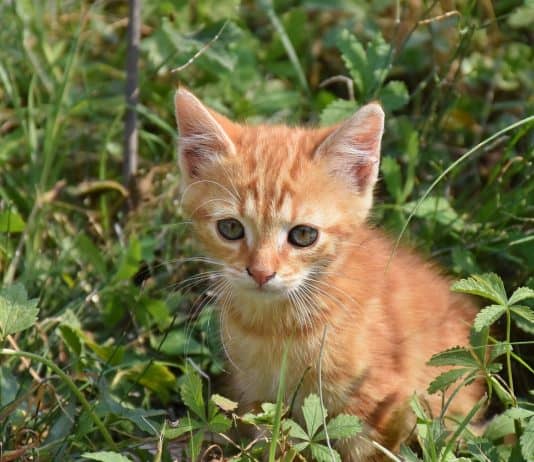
(204, 134)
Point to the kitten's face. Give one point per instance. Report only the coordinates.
(275, 204)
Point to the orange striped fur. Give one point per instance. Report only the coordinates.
(384, 317)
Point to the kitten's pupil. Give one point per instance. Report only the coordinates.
(230, 229)
(302, 236)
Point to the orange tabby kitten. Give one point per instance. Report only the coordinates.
(283, 211)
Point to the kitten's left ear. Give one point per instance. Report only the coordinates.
(352, 151)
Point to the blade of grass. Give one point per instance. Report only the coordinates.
(53, 121)
(279, 406)
(267, 5)
(71, 385)
(451, 167)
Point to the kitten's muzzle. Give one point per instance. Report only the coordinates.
(262, 277)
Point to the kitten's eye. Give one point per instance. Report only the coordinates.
(230, 229)
(302, 236)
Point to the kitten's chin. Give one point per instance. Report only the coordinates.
(265, 294)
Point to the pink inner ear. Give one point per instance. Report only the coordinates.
(204, 134)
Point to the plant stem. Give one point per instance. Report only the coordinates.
(279, 403)
(509, 355)
(71, 385)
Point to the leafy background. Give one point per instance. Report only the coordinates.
(121, 314)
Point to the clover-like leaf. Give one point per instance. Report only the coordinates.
(322, 453)
(487, 285)
(17, 312)
(394, 95)
(457, 356)
(341, 426)
(524, 312)
(527, 441)
(313, 414)
(488, 316)
(447, 378)
(191, 393)
(522, 293)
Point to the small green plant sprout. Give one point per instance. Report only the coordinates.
(317, 437)
(369, 67)
(17, 312)
(203, 416)
(479, 359)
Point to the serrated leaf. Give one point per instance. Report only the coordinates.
(323, 453)
(527, 441)
(336, 111)
(341, 426)
(519, 413)
(295, 430)
(487, 285)
(444, 380)
(524, 312)
(313, 416)
(219, 423)
(223, 403)
(437, 209)
(522, 293)
(191, 394)
(17, 312)
(457, 356)
(394, 95)
(105, 456)
(487, 316)
(354, 57)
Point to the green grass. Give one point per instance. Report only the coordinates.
(120, 321)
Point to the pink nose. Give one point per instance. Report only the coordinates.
(260, 276)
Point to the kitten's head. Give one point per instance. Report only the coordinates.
(275, 204)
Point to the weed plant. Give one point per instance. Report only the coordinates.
(109, 343)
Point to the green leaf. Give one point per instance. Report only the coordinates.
(294, 430)
(487, 285)
(223, 403)
(392, 177)
(322, 453)
(418, 409)
(105, 456)
(436, 209)
(527, 441)
(488, 316)
(336, 111)
(524, 311)
(191, 393)
(186, 425)
(407, 454)
(11, 222)
(219, 423)
(522, 293)
(341, 426)
(313, 416)
(394, 95)
(482, 450)
(444, 380)
(457, 356)
(17, 312)
(354, 57)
